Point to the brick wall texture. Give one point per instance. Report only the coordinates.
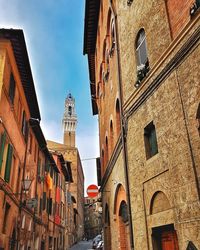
(163, 188)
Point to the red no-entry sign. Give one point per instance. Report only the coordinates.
(92, 191)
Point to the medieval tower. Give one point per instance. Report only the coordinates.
(69, 121)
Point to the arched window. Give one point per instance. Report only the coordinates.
(106, 151)
(198, 118)
(23, 222)
(117, 118)
(70, 110)
(141, 48)
(112, 38)
(141, 56)
(123, 211)
(108, 22)
(111, 136)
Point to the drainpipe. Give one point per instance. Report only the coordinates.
(188, 136)
(123, 129)
(21, 191)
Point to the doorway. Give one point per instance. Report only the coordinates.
(164, 238)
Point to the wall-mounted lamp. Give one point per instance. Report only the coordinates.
(26, 184)
(195, 6)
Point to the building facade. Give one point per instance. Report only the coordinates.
(71, 155)
(156, 52)
(93, 217)
(33, 183)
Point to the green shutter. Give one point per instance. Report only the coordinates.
(44, 201)
(8, 163)
(2, 146)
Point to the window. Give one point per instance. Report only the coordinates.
(24, 126)
(112, 38)
(8, 163)
(141, 57)
(117, 118)
(2, 146)
(141, 48)
(7, 208)
(12, 88)
(198, 118)
(30, 143)
(44, 201)
(111, 136)
(41, 206)
(70, 110)
(23, 221)
(150, 140)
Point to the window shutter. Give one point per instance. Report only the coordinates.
(44, 200)
(41, 201)
(2, 146)
(50, 206)
(8, 163)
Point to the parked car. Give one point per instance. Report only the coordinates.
(96, 241)
(100, 245)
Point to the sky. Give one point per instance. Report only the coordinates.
(54, 31)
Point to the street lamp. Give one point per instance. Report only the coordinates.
(26, 184)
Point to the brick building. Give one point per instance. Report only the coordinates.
(146, 54)
(33, 183)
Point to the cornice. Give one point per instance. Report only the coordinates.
(111, 163)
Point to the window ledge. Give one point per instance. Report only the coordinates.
(152, 158)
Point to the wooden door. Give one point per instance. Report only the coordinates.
(169, 240)
(122, 233)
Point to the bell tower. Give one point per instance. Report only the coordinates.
(69, 121)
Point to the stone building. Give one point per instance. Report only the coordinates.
(93, 217)
(71, 155)
(156, 53)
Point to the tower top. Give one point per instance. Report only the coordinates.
(69, 121)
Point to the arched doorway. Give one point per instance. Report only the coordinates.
(121, 212)
(107, 233)
(123, 220)
(163, 237)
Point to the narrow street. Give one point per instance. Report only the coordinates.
(82, 245)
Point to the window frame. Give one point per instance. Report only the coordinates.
(150, 140)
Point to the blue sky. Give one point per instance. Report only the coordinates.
(54, 32)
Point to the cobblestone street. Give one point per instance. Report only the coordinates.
(82, 245)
